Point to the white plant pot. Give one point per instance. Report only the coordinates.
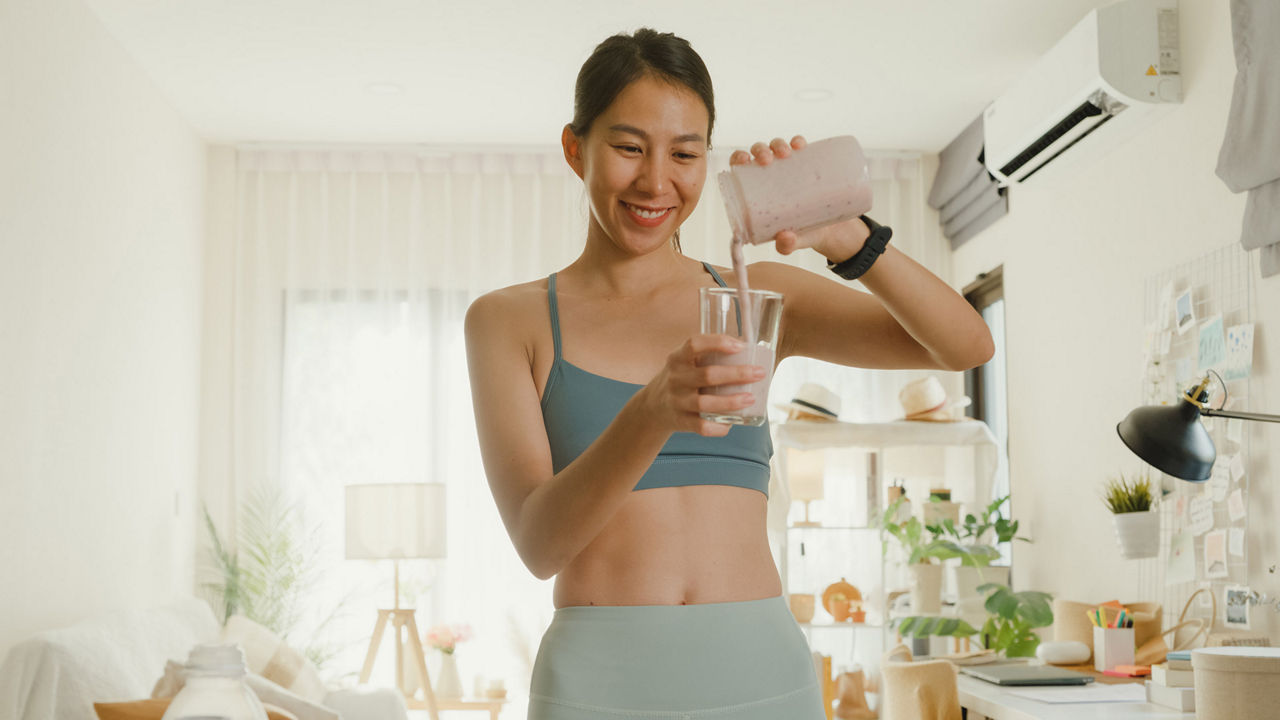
(969, 602)
(926, 589)
(1138, 534)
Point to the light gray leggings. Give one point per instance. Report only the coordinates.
(743, 660)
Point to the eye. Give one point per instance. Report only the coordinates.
(628, 148)
(687, 156)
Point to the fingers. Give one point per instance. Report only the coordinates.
(786, 242)
(763, 153)
(699, 345)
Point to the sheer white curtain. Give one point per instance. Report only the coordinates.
(354, 268)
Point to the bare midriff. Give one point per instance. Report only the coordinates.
(676, 546)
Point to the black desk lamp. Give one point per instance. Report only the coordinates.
(1171, 439)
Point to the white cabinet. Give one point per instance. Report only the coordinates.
(859, 461)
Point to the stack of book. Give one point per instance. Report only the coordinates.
(1172, 683)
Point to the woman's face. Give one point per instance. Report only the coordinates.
(644, 162)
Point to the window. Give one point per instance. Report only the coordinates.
(987, 384)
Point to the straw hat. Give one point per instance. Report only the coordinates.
(925, 399)
(812, 402)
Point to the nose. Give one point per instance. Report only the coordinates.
(653, 174)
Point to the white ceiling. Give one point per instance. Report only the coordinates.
(903, 74)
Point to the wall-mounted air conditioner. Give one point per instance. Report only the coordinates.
(1099, 85)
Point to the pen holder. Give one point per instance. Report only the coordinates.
(1112, 647)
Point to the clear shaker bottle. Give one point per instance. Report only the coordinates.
(215, 687)
(823, 183)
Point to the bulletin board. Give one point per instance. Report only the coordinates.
(1197, 316)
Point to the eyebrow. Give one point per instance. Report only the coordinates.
(687, 137)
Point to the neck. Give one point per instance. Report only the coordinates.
(604, 268)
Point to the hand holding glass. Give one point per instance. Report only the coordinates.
(721, 312)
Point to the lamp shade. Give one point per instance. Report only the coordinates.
(395, 521)
(1171, 439)
(805, 473)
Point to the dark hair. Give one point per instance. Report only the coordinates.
(622, 59)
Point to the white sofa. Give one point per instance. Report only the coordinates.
(60, 674)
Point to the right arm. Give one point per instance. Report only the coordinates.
(551, 517)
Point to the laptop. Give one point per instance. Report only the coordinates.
(1023, 674)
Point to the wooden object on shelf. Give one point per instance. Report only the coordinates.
(822, 666)
(852, 701)
(801, 606)
(852, 595)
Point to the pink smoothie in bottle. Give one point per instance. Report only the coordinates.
(824, 183)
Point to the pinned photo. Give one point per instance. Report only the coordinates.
(1215, 554)
(1184, 313)
(1236, 608)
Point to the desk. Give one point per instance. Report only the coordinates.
(982, 699)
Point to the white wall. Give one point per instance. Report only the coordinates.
(101, 192)
(1076, 250)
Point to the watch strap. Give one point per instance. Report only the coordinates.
(861, 262)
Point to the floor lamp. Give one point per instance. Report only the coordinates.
(398, 521)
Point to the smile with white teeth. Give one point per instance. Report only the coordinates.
(645, 213)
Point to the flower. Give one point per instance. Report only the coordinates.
(445, 638)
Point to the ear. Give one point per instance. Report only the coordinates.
(572, 145)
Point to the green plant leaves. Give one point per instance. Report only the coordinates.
(926, 625)
(1125, 496)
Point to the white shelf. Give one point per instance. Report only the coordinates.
(849, 554)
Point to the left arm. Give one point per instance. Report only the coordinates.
(913, 319)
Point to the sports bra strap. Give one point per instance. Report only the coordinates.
(555, 308)
(714, 274)
(555, 313)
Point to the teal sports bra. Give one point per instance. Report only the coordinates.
(578, 405)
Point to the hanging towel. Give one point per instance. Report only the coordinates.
(1250, 156)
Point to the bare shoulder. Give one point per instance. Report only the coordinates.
(509, 305)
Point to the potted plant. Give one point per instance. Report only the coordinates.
(979, 537)
(1009, 628)
(923, 545)
(1137, 526)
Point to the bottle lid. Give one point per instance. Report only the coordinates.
(225, 660)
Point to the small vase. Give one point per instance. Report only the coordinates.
(1138, 534)
(448, 685)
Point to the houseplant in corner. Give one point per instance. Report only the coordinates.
(1009, 628)
(1137, 525)
(979, 536)
(922, 545)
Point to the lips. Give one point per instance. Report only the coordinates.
(648, 217)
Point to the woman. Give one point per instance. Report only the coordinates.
(586, 390)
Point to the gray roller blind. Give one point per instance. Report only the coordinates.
(965, 195)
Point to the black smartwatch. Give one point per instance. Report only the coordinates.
(860, 263)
